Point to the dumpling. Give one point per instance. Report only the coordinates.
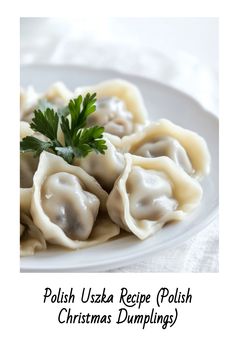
(151, 192)
(186, 148)
(28, 101)
(66, 202)
(31, 238)
(104, 168)
(57, 94)
(120, 108)
(28, 163)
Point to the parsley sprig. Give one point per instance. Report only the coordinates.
(79, 140)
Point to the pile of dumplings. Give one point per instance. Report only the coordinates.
(148, 176)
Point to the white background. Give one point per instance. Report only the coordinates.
(28, 326)
(170, 36)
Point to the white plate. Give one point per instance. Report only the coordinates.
(162, 102)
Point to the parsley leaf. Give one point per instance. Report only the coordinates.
(89, 139)
(32, 144)
(46, 123)
(79, 140)
(79, 110)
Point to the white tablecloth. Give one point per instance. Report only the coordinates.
(200, 253)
